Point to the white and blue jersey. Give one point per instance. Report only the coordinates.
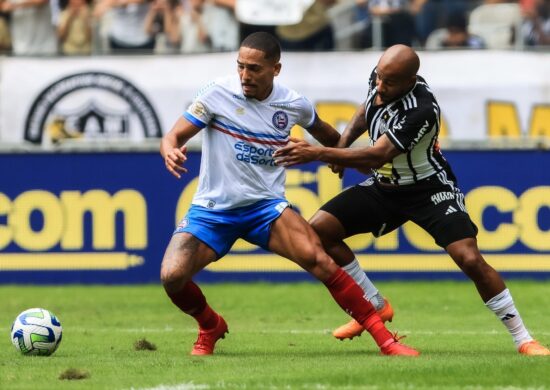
(239, 138)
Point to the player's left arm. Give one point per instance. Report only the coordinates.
(323, 132)
(370, 157)
(173, 147)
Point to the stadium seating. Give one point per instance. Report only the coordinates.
(271, 12)
(498, 24)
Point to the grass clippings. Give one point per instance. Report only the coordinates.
(144, 345)
(74, 374)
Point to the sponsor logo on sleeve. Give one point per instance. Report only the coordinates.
(198, 109)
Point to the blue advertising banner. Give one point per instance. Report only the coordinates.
(107, 217)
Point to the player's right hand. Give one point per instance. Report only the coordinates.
(174, 161)
(337, 169)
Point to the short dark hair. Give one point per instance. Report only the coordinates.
(457, 20)
(265, 42)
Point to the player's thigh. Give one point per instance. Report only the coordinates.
(185, 255)
(292, 237)
(359, 209)
(443, 215)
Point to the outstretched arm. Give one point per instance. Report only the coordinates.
(299, 152)
(172, 146)
(323, 132)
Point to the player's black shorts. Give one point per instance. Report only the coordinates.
(435, 204)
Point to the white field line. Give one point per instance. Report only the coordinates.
(223, 385)
(180, 386)
(405, 386)
(493, 332)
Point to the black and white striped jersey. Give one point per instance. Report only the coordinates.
(412, 124)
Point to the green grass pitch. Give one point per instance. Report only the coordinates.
(279, 338)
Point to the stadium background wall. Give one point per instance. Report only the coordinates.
(482, 94)
(106, 218)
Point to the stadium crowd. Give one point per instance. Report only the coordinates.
(84, 27)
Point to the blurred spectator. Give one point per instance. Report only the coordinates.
(432, 14)
(32, 31)
(397, 20)
(5, 37)
(158, 17)
(190, 28)
(203, 26)
(313, 33)
(536, 27)
(224, 31)
(455, 35)
(75, 28)
(126, 28)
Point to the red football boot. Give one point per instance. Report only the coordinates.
(207, 338)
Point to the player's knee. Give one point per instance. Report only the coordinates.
(311, 257)
(471, 262)
(308, 257)
(173, 278)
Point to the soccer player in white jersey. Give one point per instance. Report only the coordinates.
(411, 181)
(245, 117)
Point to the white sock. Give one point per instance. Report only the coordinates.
(371, 292)
(503, 306)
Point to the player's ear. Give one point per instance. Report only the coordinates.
(277, 68)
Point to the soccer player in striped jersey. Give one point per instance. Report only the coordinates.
(245, 117)
(411, 181)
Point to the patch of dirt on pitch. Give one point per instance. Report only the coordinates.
(144, 345)
(74, 374)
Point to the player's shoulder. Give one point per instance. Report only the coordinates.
(222, 85)
(422, 89)
(419, 99)
(287, 97)
(282, 91)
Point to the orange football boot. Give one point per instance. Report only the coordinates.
(354, 328)
(207, 338)
(533, 348)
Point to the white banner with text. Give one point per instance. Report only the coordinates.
(44, 101)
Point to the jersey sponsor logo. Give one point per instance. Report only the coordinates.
(94, 105)
(421, 133)
(254, 155)
(442, 196)
(280, 120)
(238, 97)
